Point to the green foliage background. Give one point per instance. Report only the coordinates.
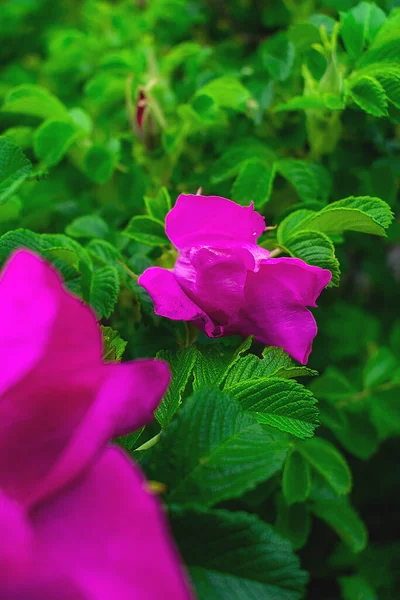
(294, 105)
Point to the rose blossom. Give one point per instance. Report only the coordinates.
(225, 284)
(77, 521)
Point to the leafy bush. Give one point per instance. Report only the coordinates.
(109, 111)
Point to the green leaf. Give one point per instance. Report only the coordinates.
(10, 209)
(281, 403)
(227, 92)
(278, 56)
(360, 25)
(181, 365)
(275, 363)
(391, 85)
(352, 33)
(385, 411)
(327, 461)
(146, 230)
(36, 101)
(355, 587)
(214, 362)
(106, 254)
(363, 214)
(99, 164)
(236, 556)
(312, 101)
(113, 345)
(14, 168)
(380, 367)
(342, 517)
(369, 95)
(88, 226)
(159, 207)
(308, 179)
(213, 451)
(316, 249)
(293, 522)
(104, 291)
(52, 140)
(231, 161)
(385, 47)
(254, 183)
(291, 223)
(356, 433)
(296, 481)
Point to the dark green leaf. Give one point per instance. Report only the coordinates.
(236, 556)
(181, 364)
(228, 454)
(296, 482)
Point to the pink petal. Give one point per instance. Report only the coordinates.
(170, 299)
(108, 532)
(274, 309)
(212, 220)
(215, 278)
(15, 542)
(125, 402)
(63, 404)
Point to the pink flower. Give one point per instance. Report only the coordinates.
(76, 518)
(225, 284)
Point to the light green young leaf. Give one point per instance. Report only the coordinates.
(329, 462)
(369, 95)
(281, 403)
(342, 517)
(14, 168)
(362, 213)
(296, 481)
(52, 140)
(254, 183)
(360, 25)
(227, 92)
(214, 362)
(29, 99)
(385, 47)
(181, 364)
(88, 226)
(215, 451)
(146, 230)
(236, 556)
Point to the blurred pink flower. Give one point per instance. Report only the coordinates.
(76, 518)
(225, 284)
